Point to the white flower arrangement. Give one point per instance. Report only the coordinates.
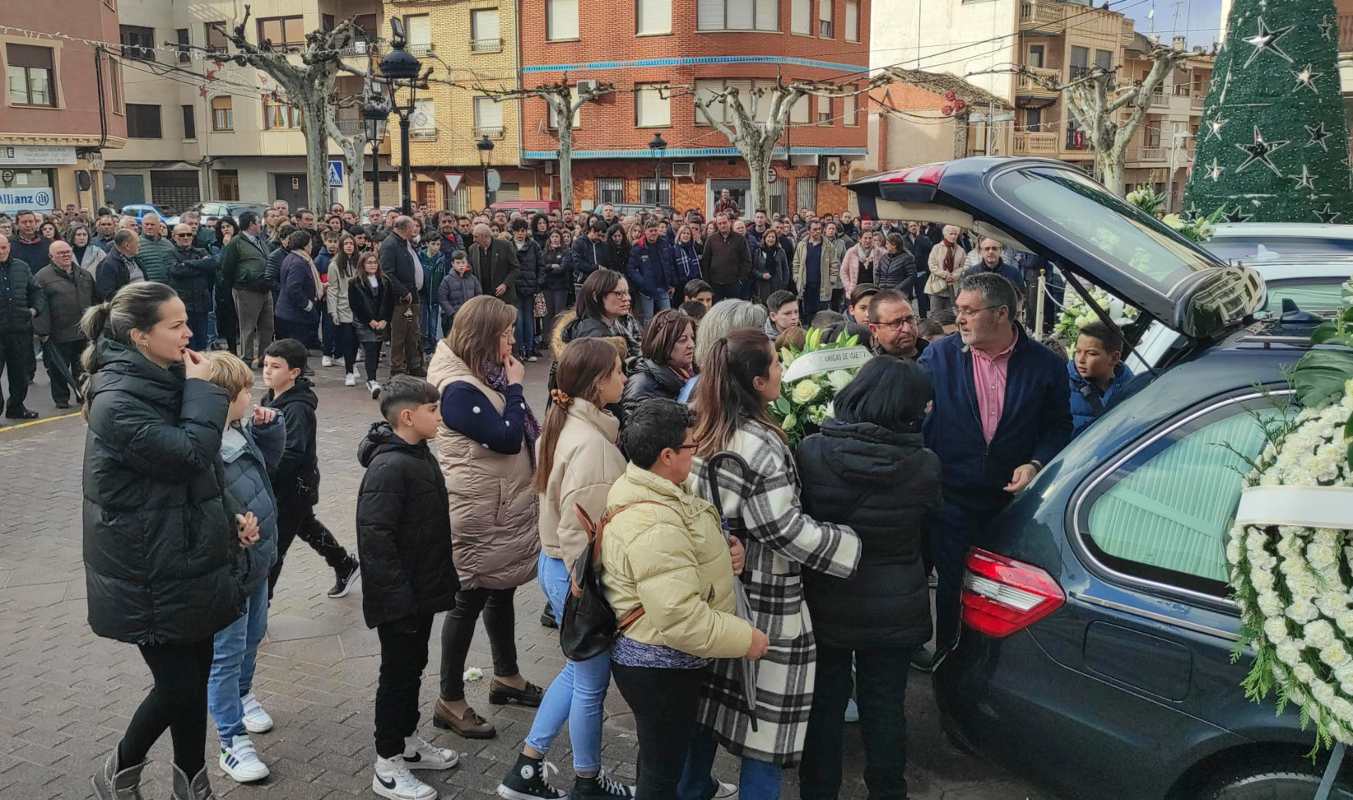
(1076, 312)
(806, 400)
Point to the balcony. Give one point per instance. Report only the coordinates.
(423, 135)
(491, 132)
(1030, 85)
(1159, 99)
(486, 45)
(1197, 100)
(421, 50)
(1048, 16)
(1151, 154)
(1034, 143)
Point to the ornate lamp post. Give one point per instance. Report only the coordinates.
(485, 148)
(657, 146)
(400, 69)
(376, 115)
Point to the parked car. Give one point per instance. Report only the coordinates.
(1096, 650)
(140, 210)
(210, 212)
(1272, 241)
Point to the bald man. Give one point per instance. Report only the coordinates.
(67, 291)
(20, 302)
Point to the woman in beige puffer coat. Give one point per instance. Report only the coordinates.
(485, 446)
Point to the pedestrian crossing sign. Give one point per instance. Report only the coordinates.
(335, 173)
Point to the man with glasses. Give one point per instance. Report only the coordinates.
(991, 259)
(893, 326)
(1001, 412)
(191, 274)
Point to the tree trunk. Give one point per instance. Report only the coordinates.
(316, 152)
(1110, 165)
(565, 160)
(758, 163)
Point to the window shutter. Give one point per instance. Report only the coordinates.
(26, 55)
(419, 30)
(740, 15)
(798, 115)
(848, 110)
(704, 91)
(709, 14)
(767, 15)
(652, 107)
(655, 16)
(800, 16)
(486, 24)
(563, 19)
(852, 20)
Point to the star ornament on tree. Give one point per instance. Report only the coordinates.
(1327, 215)
(1267, 39)
(1327, 28)
(1305, 180)
(1306, 77)
(1318, 134)
(1261, 151)
(1238, 215)
(1214, 127)
(1214, 170)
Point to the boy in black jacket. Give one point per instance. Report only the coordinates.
(296, 482)
(404, 539)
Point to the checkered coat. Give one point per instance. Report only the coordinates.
(781, 541)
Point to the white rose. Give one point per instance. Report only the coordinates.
(1322, 692)
(1233, 550)
(805, 391)
(1270, 604)
(1275, 628)
(1344, 619)
(1289, 653)
(1302, 611)
(1321, 555)
(1262, 580)
(838, 378)
(1335, 655)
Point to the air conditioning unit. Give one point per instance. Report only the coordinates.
(683, 169)
(831, 169)
(589, 87)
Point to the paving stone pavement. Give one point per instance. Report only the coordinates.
(66, 695)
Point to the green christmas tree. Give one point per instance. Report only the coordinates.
(1273, 144)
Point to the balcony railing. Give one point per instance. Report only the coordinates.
(1151, 154)
(492, 133)
(1030, 83)
(1197, 100)
(1159, 98)
(486, 45)
(420, 50)
(1076, 71)
(423, 135)
(1037, 15)
(1035, 143)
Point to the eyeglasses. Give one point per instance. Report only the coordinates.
(183, 236)
(618, 293)
(963, 313)
(912, 321)
(688, 446)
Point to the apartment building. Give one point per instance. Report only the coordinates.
(1160, 154)
(660, 55)
(468, 44)
(203, 129)
(61, 106)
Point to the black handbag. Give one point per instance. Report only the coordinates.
(590, 627)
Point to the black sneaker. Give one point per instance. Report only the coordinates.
(547, 618)
(345, 578)
(526, 781)
(601, 787)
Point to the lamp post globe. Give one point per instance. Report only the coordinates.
(400, 68)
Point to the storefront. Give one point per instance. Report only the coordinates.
(46, 177)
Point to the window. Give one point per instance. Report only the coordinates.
(1036, 55)
(1151, 136)
(484, 34)
(1080, 62)
(738, 15)
(282, 31)
(418, 29)
(115, 84)
(652, 106)
(222, 114)
(143, 121)
(554, 117)
(805, 191)
(1033, 119)
(777, 198)
(278, 115)
(488, 116)
(799, 114)
(189, 123)
(800, 17)
(216, 37)
(185, 54)
(1165, 512)
(852, 20)
(369, 25)
(653, 16)
(610, 190)
(561, 20)
(137, 42)
(824, 19)
(30, 74)
(824, 111)
(326, 22)
(664, 197)
(1104, 59)
(848, 114)
(508, 192)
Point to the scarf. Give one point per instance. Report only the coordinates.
(949, 250)
(79, 253)
(314, 273)
(497, 381)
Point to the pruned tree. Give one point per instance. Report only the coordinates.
(309, 86)
(1111, 114)
(756, 139)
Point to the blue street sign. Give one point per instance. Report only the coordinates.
(335, 173)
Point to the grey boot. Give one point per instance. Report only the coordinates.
(114, 782)
(199, 788)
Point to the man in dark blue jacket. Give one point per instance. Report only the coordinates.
(992, 260)
(651, 272)
(587, 252)
(1001, 412)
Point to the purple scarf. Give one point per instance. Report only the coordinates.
(497, 381)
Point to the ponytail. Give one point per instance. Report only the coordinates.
(583, 366)
(136, 306)
(725, 397)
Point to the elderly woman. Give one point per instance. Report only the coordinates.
(297, 303)
(861, 263)
(946, 262)
(87, 254)
(726, 315)
(486, 448)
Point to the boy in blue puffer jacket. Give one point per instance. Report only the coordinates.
(249, 452)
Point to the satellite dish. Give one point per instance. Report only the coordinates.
(495, 181)
(109, 182)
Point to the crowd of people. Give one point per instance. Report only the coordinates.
(657, 459)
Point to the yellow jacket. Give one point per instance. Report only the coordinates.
(673, 560)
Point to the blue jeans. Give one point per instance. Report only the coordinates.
(648, 306)
(234, 654)
(526, 325)
(197, 323)
(432, 325)
(576, 694)
(758, 780)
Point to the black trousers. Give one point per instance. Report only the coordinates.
(16, 360)
(345, 345)
(371, 358)
(811, 304)
(297, 519)
(404, 655)
(665, 703)
(881, 675)
(724, 291)
(69, 353)
(458, 632)
(227, 319)
(178, 702)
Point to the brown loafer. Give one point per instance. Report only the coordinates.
(470, 726)
(500, 694)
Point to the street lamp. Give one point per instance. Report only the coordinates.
(400, 69)
(376, 114)
(485, 148)
(657, 145)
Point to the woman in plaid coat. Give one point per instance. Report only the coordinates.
(741, 375)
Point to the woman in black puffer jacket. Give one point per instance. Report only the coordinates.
(868, 468)
(669, 357)
(159, 542)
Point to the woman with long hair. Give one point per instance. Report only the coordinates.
(686, 259)
(617, 255)
(555, 278)
(372, 300)
(576, 464)
(740, 377)
(227, 319)
(486, 448)
(770, 266)
(158, 542)
(668, 362)
(87, 254)
(342, 269)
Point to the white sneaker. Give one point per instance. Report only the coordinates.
(350, 379)
(256, 720)
(375, 389)
(326, 362)
(422, 754)
(725, 791)
(392, 779)
(240, 761)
